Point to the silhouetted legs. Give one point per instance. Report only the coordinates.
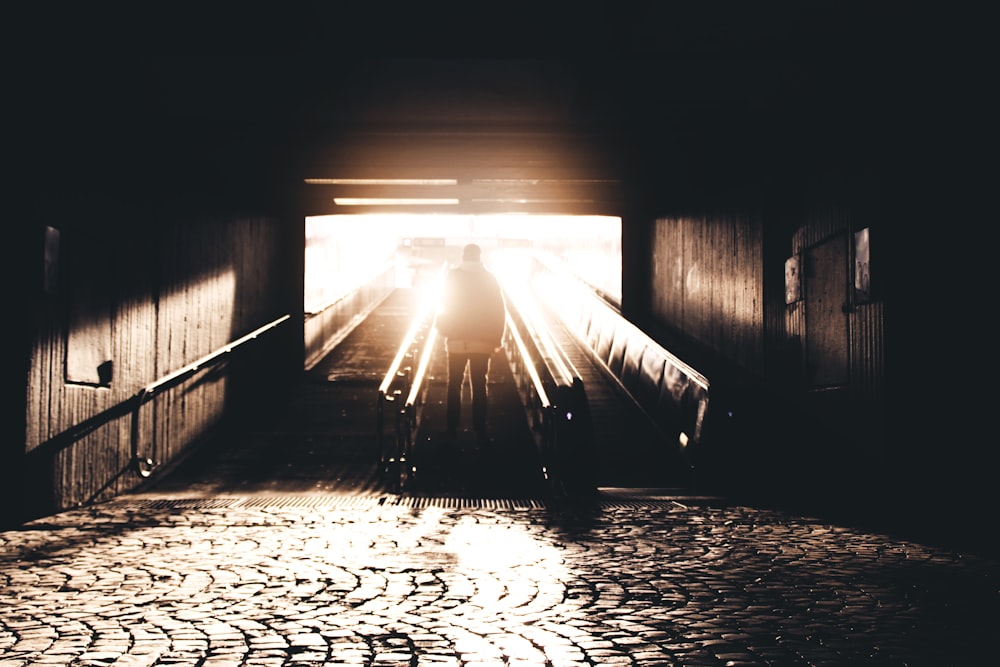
(479, 366)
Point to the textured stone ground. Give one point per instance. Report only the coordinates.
(282, 548)
(386, 580)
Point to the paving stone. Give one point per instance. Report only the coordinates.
(380, 583)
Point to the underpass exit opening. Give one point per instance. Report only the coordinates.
(346, 253)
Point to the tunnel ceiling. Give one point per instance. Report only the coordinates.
(662, 97)
(523, 135)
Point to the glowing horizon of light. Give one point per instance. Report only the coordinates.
(340, 257)
(589, 246)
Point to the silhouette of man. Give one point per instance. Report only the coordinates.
(472, 321)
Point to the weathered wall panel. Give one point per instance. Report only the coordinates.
(841, 202)
(181, 292)
(726, 304)
(715, 290)
(667, 292)
(867, 345)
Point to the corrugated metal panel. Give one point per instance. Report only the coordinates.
(868, 352)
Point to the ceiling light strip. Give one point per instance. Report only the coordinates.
(395, 201)
(534, 201)
(381, 181)
(547, 181)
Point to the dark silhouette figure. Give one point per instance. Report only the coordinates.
(472, 321)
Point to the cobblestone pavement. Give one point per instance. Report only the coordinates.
(386, 580)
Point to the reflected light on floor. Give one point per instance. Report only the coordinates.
(494, 547)
(437, 538)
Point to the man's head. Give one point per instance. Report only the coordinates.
(471, 253)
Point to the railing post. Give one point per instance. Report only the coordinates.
(379, 409)
(143, 466)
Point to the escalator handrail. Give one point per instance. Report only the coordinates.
(536, 379)
(560, 368)
(418, 377)
(424, 313)
(581, 293)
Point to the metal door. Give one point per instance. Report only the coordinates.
(825, 294)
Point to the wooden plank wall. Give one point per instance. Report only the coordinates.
(708, 285)
(841, 202)
(182, 290)
(708, 282)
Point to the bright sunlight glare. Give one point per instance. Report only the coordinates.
(345, 252)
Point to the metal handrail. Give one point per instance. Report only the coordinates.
(404, 349)
(394, 373)
(423, 319)
(551, 389)
(572, 291)
(208, 359)
(425, 360)
(144, 466)
(424, 314)
(553, 395)
(552, 355)
(536, 380)
(385, 398)
(408, 417)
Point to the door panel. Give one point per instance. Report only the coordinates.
(825, 292)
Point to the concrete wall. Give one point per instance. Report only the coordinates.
(145, 243)
(708, 281)
(806, 374)
(141, 305)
